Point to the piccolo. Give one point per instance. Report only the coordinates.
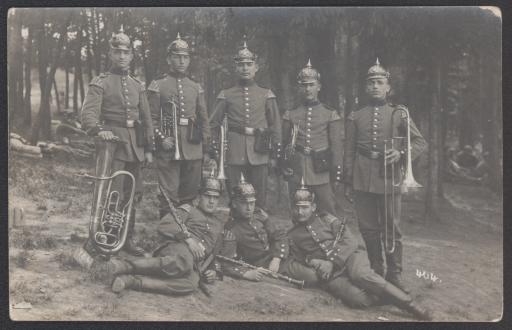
(267, 272)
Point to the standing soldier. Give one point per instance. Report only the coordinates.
(116, 108)
(367, 131)
(175, 95)
(254, 126)
(314, 153)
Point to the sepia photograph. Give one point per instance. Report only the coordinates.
(261, 164)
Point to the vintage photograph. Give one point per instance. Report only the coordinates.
(255, 164)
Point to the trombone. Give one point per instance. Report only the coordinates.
(404, 181)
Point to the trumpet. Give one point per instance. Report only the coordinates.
(405, 180)
(169, 125)
(109, 223)
(223, 146)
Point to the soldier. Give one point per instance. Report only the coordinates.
(252, 237)
(178, 162)
(254, 124)
(116, 108)
(366, 131)
(323, 252)
(316, 156)
(184, 256)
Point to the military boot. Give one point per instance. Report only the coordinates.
(374, 250)
(105, 272)
(124, 282)
(394, 267)
(405, 302)
(129, 246)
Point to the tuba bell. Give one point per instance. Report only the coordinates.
(109, 222)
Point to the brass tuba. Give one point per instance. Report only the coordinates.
(223, 146)
(109, 223)
(405, 180)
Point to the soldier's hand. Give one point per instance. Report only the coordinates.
(392, 156)
(274, 265)
(196, 248)
(148, 158)
(168, 143)
(287, 172)
(349, 193)
(210, 275)
(323, 267)
(107, 135)
(254, 274)
(272, 163)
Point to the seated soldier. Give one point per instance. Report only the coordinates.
(183, 257)
(323, 252)
(251, 237)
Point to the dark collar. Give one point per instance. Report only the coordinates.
(119, 71)
(176, 75)
(311, 103)
(377, 103)
(246, 83)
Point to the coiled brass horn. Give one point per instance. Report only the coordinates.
(109, 222)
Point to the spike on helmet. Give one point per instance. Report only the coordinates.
(244, 190)
(178, 47)
(244, 55)
(377, 71)
(308, 74)
(302, 195)
(120, 40)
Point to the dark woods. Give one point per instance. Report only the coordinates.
(445, 63)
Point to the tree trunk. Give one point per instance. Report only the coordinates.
(27, 103)
(43, 121)
(66, 66)
(57, 99)
(15, 67)
(432, 200)
(75, 92)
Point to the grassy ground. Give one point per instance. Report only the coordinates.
(463, 250)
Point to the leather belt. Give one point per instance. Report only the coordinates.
(183, 122)
(304, 150)
(129, 123)
(369, 153)
(242, 130)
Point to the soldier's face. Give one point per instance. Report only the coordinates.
(246, 70)
(178, 63)
(243, 208)
(302, 213)
(121, 58)
(377, 88)
(208, 203)
(309, 91)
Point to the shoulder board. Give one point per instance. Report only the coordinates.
(260, 215)
(154, 87)
(98, 80)
(185, 207)
(400, 106)
(328, 107)
(328, 218)
(270, 94)
(335, 116)
(137, 80)
(221, 95)
(160, 76)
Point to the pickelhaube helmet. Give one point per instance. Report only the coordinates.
(244, 55)
(308, 74)
(244, 190)
(210, 185)
(178, 47)
(120, 40)
(377, 71)
(302, 195)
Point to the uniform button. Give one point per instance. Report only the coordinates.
(308, 141)
(375, 146)
(308, 135)
(128, 103)
(182, 97)
(375, 119)
(247, 104)
(282, 255)
(180, 86)
(180, 91)
(332, 259)
(247, 116)
(179, 80)
(310, 109)
(309, 124)
(246, 93)
(374, 133)
(375, 126)
(182, 103)
(247, 99)
(374, 139)
(309, 226)
(309, 129)
(376, 108)
(246, 88)
(282, 250)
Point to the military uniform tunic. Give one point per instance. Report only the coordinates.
(351, 280)
(363, 168)
(319, 129)
(114, 101)
(179, 178)
(256, 241)
(248, 105)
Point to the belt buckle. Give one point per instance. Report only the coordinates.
(183, 121)
(249, 130)
(374, 154)
(130, 123)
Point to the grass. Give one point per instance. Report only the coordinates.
(22, 259)
(66, 261)
(31, 239)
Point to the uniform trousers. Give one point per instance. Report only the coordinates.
(324, 196)
(255, 175)
(180, 180)
(357, 285)
(370, 209)
(172, 272)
